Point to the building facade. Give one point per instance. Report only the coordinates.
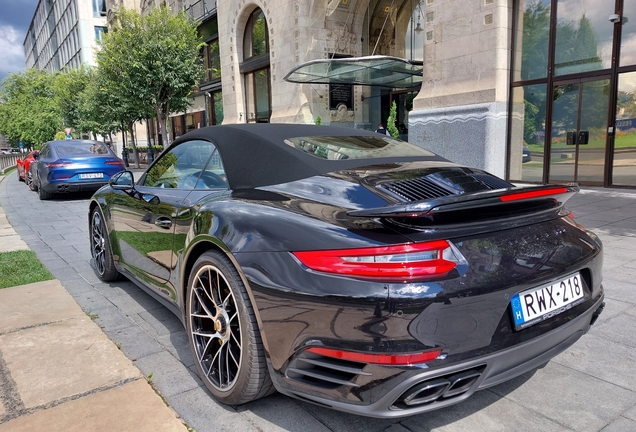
(531, 90)
(64, 34)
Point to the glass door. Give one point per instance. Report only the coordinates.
(579, 131)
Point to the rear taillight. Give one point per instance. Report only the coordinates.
(517, 196)
(378, 358)
(408, 262)
(120, 163)
(58, 164)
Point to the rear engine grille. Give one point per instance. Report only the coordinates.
(324, 372)
(443, 184)
(416, 189)
(441, 388)
(491, 181)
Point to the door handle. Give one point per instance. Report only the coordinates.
(164, 223)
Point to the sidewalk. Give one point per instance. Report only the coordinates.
(60, 372)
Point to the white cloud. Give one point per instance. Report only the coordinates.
(11, 51)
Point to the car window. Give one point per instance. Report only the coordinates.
(44, 153)
(80, 149)
(186, 167)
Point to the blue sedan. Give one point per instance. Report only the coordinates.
(73, 166)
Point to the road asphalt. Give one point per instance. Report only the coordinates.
(75, 353)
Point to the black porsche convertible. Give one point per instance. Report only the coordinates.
(346, 268)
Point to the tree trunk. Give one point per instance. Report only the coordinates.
(133, 143)
(161, 120)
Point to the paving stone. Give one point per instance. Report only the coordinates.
(203, 414)
(343, 422)
(621, 291)
(483, 412)
(95, 413)
(280, 413)
(631, 413)
(169, 376)
(134, 342)
(621, 424)
(564, 395)
(48, 302)
(61, 360)
(620, 329)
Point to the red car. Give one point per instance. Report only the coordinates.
(23, 167)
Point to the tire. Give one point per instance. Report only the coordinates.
(32, 185)
(223, 332)
(44, 195)
(100, 248)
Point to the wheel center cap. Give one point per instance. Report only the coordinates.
(219, 324)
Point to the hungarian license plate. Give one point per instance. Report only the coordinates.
(538, 304)
(91, 175)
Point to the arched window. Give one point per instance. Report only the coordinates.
(256, 70)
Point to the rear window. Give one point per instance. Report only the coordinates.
(356, 147)
(81, 149)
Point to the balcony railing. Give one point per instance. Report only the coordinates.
(201, 9)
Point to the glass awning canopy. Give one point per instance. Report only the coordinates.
(382, 71)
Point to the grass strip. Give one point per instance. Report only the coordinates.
(21, 268)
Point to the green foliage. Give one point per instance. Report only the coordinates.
(60, 135)
(28, 111)
(536, 31)
(318, 120)
(390, 122)
(151, 63)
(530, 121)
(69, 87)
(20, 268)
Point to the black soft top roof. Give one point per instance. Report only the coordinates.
(256, 154)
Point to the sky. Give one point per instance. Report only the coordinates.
(15, 18)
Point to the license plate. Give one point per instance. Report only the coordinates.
(538, 304)
(91, 175)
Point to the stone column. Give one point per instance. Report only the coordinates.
(461, 110)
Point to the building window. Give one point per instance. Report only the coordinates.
(213, 60)
(216, 108)
(256, 69)
(99, 8)
(99, 32)
(256, 40)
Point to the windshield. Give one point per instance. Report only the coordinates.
(81, 149)
(356, 147)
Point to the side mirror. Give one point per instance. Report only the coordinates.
(123, 180)
(36, 155)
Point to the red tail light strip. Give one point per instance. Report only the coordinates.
(533, 194)
(378, 358)
(402, 262)
(58, 164)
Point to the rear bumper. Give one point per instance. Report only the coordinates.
(396, 384)
(69, 187)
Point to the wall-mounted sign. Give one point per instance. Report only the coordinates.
(340, 94)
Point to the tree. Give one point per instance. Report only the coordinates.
(152, 61)
(536, 32)
(390, 122)
(69, 86)
(28, 111)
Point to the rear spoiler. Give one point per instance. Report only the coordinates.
(496, 203)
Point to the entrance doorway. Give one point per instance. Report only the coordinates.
(579, 131)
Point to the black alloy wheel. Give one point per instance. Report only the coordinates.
(32, 185)
(223, 332)
(100, 248)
